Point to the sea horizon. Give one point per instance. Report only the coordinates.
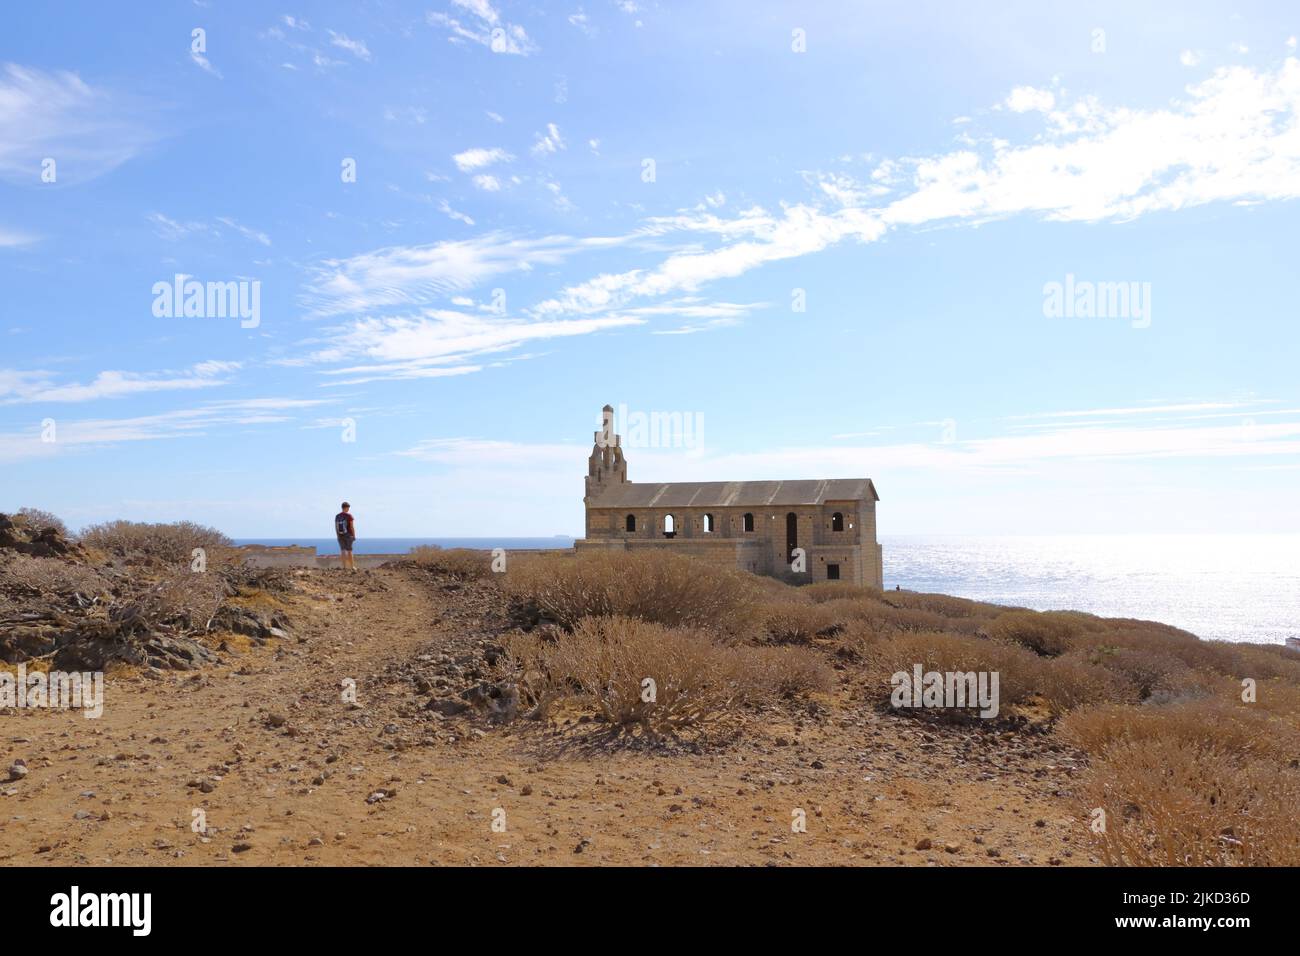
(1236, 587)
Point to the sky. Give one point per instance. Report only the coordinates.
(1031, 267)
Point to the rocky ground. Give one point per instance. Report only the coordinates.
(352, 737)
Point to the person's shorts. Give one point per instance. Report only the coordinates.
(346, 541)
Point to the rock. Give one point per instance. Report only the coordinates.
(18, 770)
(446, 706)
(241, 848)
(924, 843)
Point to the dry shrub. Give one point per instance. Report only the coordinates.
(1047, 633)
(786, 623)
(839, 591)
(1279, 697)
(1068, 682)
(181, 600)
(38, 519)
(25, 577)
(1208, 724)
(664, 588)
(1264, 661)
(605, 662)
(1017, 668)
(766, 672)
(459, 564)
(1155, 675)
(943, 605)
(171, 543)
(1177, 802)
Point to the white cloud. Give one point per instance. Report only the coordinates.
(418, 275)
(182, 423)
(86, 130)
(10, 239)
(484, 27)
(204, 64)
(440, 342)
(356, 47)
(39, 386)
(1189, 58)
(446, 209)
(479, 157)
(549, 142)
(1024, 99)
(583, 23)
(487, 182)
(245, 231)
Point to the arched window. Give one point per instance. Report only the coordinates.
(837, 521)
(631, 523)
(708, 523)
(747, 522)
(670, 526)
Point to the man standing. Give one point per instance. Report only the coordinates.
(346, 530)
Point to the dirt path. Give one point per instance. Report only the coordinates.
(281, 768)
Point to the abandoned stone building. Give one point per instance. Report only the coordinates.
(752, 525)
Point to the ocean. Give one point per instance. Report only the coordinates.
(1228, 587)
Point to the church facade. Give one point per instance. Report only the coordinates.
(808, 530)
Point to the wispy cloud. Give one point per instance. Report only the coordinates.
(72, 434)
(483, 25)
(480, 156)
(86, 130)
(41, 386)
(439, 342)
(356, 47)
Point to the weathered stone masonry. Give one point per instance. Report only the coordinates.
(751, 525)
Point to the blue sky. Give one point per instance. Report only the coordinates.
(825, 236)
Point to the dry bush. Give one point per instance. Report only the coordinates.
(1279, 697)
(1047, 633)
(22, 576)
(885, 619)
(766, 672)
(38, 520)
(1068, 682)
(605, 662)
(786, 623)
(1176, 802)
(459, 564)
(1156, 675)
(943, 605)
(664, 588)
(1018, 670)
(839, 591)
(181, 600)
(170, 543)
(1263, 661)
(1208, 724)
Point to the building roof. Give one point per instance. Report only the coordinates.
(734, 494)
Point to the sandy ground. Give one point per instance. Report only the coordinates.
(281, 768)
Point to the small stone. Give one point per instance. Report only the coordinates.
(924, 843)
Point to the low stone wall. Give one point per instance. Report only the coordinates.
(296, 556)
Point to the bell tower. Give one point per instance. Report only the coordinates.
(606, 466)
